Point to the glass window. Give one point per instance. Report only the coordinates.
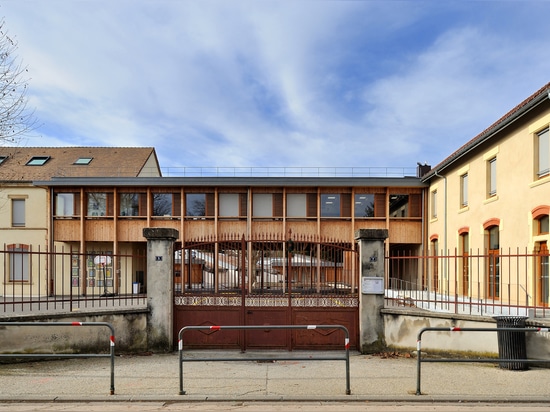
(64, 204)
(543, 153)
(296, 205)
(3, 159)
(434, 204)
(464, 190)
(262, 205)
(229, 204)
(19, 262)
(542, 225)
(38, 160)
(399, 205)
(97, 204)
(129, 204)
(195, 204)
(83, 161)
(18, 212)
(492, 169)
(330, 205)
(364, 205)
(162, 204)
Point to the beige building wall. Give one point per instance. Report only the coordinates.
(519, 192)
(31, 232)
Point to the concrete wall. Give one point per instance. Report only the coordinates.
(402, 327)
(401, 331)
(129, 325)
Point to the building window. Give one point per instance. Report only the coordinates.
(133, 204)
(83, 161)
(162, 204)
(464, 247)
(543, 146)
(492, 177)
(433, 204)
(97, 204)
(199, 204)
(3, 159)
(493, 262)
(402, 205)
(67, 204)
(464, 190)
(542, 225)
(434, 269)
(542, 273)
(18, 212)
(267, 205)
(335, 205)
(38, 160)
(296, 205)
(301, 205)
(262, 205)
(364, 205)
(18, 263)
(232, 205)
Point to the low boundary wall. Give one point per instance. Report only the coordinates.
(130, 327)
(401, 327)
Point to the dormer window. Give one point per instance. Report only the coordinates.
(83, 161)
(38, 160)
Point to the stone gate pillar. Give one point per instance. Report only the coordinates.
(371, 294)
(160, 288)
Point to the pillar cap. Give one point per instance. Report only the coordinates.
(160, 233)
(372, 234)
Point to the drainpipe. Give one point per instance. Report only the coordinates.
(444, 221)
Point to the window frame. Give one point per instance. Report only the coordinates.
(464, 190)
(18, 214)
(38, 161)
(364, 203)
(542, 169)
(492, 177)
(23, 250)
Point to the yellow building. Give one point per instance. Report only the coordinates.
(488, 211)
(26, 212)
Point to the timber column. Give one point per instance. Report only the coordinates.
(371, 296)
(160, 288)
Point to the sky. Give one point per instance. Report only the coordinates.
(287, 83)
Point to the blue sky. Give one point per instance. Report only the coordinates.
(311, 83)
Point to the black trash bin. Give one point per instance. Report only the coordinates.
(511, 345)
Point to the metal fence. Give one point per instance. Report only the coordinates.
(485, 283)
(65, 280)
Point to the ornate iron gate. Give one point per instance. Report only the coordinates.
(266, 281)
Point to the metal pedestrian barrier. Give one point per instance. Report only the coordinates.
(69, 355)
(344, 358)
(489, 360)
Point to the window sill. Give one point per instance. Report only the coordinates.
(490, 199)
(540, 181)
(464, 209)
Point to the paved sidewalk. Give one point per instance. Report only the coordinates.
(373, 378)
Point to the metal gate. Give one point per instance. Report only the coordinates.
(266, 281)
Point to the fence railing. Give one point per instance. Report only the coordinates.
(289, 171)
(110, 355)
(488, 283)
(344, 358)
(66, 280)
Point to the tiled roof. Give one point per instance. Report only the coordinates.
(525, 105)
(106, 162)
